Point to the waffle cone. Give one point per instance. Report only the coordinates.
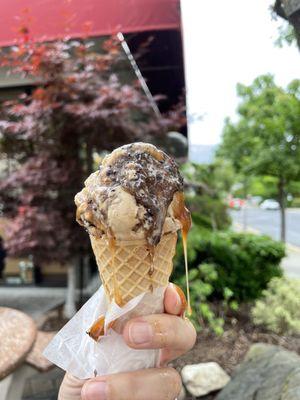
(132, 270)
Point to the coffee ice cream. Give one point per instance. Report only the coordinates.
(131, 196)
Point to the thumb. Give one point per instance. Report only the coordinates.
(70, 388)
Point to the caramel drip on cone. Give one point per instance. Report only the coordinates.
(184, 216)
(151, 250)
(112, 247)
(184, 242)
(97, 329)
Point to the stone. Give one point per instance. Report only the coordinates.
(203, 378)
(268, 373)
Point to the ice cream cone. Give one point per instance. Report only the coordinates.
(130, 269)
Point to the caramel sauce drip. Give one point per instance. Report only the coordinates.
(183, 215)
(97, 329)
(151, 250)
(112, 247)
(184, 242)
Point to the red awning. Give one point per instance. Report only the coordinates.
(53, 19)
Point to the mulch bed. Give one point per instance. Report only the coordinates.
(229, 349)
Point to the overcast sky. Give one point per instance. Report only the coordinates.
(228, 42)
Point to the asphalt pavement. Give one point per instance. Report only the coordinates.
(268, 222)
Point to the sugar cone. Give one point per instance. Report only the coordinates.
(129, 269)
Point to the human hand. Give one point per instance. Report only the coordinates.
(169, 332)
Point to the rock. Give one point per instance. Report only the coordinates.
(203, 378)
(267, 373)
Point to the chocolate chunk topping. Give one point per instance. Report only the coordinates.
(142, 170)
(151, 176)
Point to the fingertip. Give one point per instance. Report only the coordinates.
(94, 389)
(172, 300)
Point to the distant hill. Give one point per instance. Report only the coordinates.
(202, 153)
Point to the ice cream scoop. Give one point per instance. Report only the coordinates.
(131, 196)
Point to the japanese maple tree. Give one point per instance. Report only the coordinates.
(78, 105)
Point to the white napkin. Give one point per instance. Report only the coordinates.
(73, 350)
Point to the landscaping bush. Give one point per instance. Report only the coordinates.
(244, 263)
(208, 211)
(207, 187)
(296, 202)
(201, 282)
(279, 309)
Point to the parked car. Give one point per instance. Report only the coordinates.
(270, 204)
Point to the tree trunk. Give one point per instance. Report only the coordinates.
(89, 158)
(70, 305)
(281, 195)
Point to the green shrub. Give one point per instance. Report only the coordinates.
(201, 288)
(296, 202)
(279, 309)
(207, 187)
(245, 263)
(208, 212)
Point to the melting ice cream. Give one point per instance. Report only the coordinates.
(132, 195)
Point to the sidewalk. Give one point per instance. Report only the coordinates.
(33, 301)
(36, 301)
(291, 263)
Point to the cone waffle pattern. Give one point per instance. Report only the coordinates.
(131, 266)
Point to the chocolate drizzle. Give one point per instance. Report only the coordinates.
(145, 172)
(151, 177)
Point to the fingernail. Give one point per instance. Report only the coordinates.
(95, 390)
(182, 304)
(178, 302)
(140, 333)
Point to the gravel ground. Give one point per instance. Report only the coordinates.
(229, 349)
